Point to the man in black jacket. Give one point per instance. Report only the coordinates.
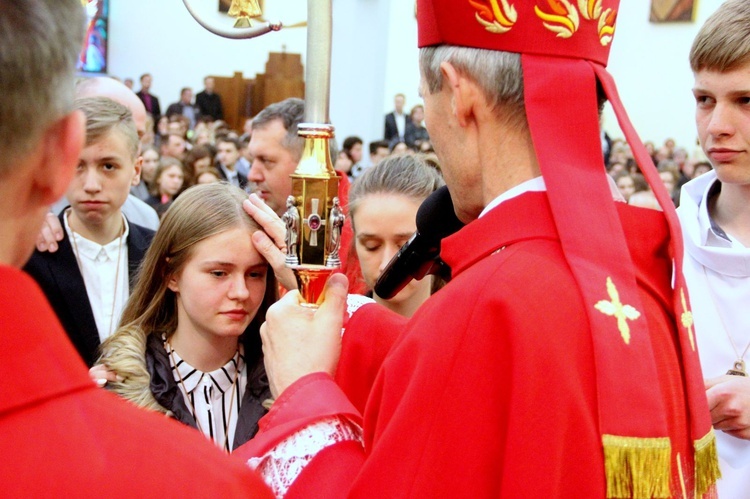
(209, 102)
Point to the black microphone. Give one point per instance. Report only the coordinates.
(421, 253)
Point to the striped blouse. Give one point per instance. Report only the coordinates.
(213, 398)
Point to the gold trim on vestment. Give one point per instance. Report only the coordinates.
(706, 463)
(637, 467)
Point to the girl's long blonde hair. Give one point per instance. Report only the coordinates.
(197, 214)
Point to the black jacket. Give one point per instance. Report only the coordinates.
(210, 105)
(169, 396)
(60, 278)
(240, 178)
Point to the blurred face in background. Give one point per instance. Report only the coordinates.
(380, 154)
(356, 153)
(228, 154)
(272, 164)
(668, 180)
(170, 181)
(626, 186)
(150, 162)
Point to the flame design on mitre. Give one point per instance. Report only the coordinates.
(564, 21)
(496, 17)
(590, 9)
(607, 26)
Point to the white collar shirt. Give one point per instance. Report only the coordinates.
(711, 233)
(717, 272)
(536, 184)
(400, 124)
(105, 275)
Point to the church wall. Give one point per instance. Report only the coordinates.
(375, 57)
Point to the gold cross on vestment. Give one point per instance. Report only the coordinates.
(616, 308)
(687, 319)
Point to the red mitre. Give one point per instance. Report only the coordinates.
(579, 29)
(564, 47)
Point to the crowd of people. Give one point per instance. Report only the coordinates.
(675, 165)
(162, 265)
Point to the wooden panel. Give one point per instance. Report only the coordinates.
(244, 98)
(284, 78)
(234, 97)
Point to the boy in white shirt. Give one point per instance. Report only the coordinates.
(715, 216)
(88, 280)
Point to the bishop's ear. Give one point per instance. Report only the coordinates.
(463, 93)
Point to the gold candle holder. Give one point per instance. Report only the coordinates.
(314, 217)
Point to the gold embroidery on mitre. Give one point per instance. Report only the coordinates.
(564, 21)
(615, 308)
(590, 9)
(495, 17)
(607, 26)
(687, 319)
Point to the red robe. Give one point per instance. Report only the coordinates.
(490, 391)
(62, 436)
(347, 254)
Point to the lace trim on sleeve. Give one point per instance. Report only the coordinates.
(353, 302)
(284, 463)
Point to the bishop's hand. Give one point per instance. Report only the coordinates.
(298, 340)
(271, 241)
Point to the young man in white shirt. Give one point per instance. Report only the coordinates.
(88, 280)
(715, 216)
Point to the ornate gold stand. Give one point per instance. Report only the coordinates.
(320, 218)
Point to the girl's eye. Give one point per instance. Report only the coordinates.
(218, 273)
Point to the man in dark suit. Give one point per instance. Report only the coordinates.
(228, 152)
(87, 280)
(208, 101)
(185, 107)
(151, 102)
(396, 121)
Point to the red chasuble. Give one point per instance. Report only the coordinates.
(491, 389)
(62, 436)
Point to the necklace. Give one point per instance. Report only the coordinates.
(738, 368)
(225, 444)
(117, 269)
